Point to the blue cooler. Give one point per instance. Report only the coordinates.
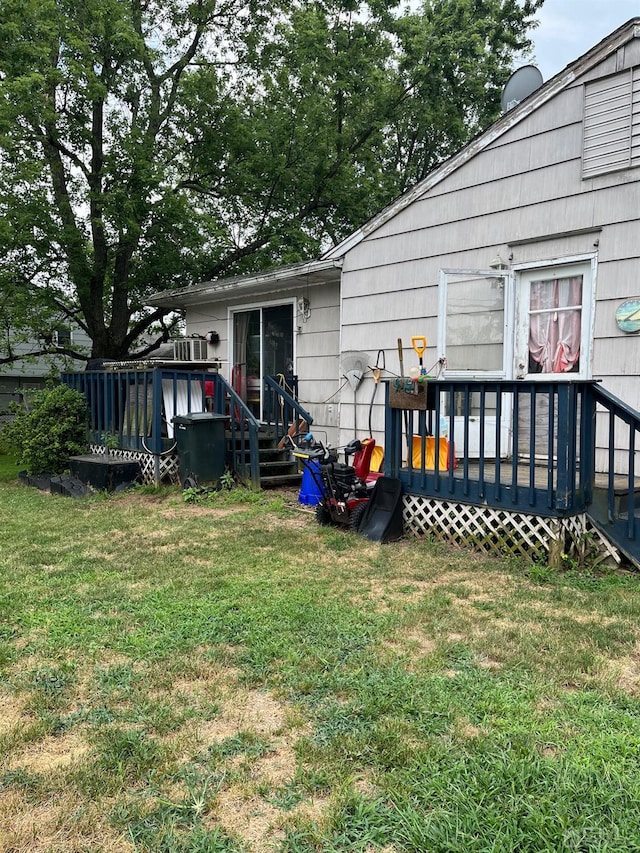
(309, 489)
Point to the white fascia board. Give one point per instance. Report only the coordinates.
(277, 279)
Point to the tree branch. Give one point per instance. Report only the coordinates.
(143, 324)
(11, 359)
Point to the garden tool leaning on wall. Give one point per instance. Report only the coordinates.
(376, 372)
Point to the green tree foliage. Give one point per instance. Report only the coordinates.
(47, 431)
(146, 144)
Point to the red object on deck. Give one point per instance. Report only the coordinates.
(362, 461)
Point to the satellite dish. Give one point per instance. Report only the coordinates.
(519, 86)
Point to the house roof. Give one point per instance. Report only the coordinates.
(274, 280)
(503, 124)
(327, 269)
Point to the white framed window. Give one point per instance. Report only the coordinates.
(611, 126)
(63, 337)
(473, 322)
(475, 336)
(554, 311)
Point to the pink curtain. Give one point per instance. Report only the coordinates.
(554, 335)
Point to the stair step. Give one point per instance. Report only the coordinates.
(280, 480)
(279, 468)
(273, 452)
(624, 516)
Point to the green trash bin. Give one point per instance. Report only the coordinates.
(201, 445)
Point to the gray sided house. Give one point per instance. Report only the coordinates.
(277, 323)
(30, 372)
(468, 257)
(518, 260)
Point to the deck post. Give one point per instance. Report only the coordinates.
(392, 438)
(556, 544)
(156, 425)
(587, 443)
(565, 447)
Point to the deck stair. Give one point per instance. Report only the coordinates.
(610, 512)
(277, 467)
(599, 509)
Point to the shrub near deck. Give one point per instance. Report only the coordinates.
(232, 677)
(48, 430)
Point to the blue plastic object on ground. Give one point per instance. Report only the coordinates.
(310, 492)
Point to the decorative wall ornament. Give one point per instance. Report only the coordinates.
(628, 316)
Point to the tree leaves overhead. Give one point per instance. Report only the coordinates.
(145, 145)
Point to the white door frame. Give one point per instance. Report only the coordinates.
(507, 356)
(585, 265)
(253, 306)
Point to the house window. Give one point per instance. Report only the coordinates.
(555, 325)
(472, 321)
(553, 320)
(611, 123)
(62, 337)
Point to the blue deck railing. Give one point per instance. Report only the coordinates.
(281, 406)
(517, 445)
(550, 448)
(617, 500)
(136, 408)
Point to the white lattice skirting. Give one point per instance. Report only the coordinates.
(499, 531)
(167, 465)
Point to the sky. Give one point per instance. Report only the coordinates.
(568, 28)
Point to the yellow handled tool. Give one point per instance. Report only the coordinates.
(419, 343)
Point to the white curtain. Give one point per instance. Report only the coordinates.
(180, 405)
(239, 370)
(555, 324)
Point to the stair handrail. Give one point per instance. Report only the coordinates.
(287, 403)
(622, 410)
(617, 409)
(239, 416)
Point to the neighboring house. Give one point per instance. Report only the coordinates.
(29, 372)
(511, 258)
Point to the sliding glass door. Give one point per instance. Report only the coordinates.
(262, 346)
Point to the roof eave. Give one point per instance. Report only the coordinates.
(277, 279)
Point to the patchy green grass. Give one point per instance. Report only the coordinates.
(8, 468)
(232, 677)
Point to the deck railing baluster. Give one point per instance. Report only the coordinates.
(437, 437)
(631, 495)
(551, 446)
(611, 487)
(515, 454)
(498, 471)
(532, 444)
(466, 412)
(483, 412)
(452, 431)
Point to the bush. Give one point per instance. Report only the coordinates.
(48, 430)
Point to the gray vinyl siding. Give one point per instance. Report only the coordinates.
(32, 372)
(524, 196)
(317, 346)
(39, 367)
(635, 118)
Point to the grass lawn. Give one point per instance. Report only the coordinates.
(231, 677)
